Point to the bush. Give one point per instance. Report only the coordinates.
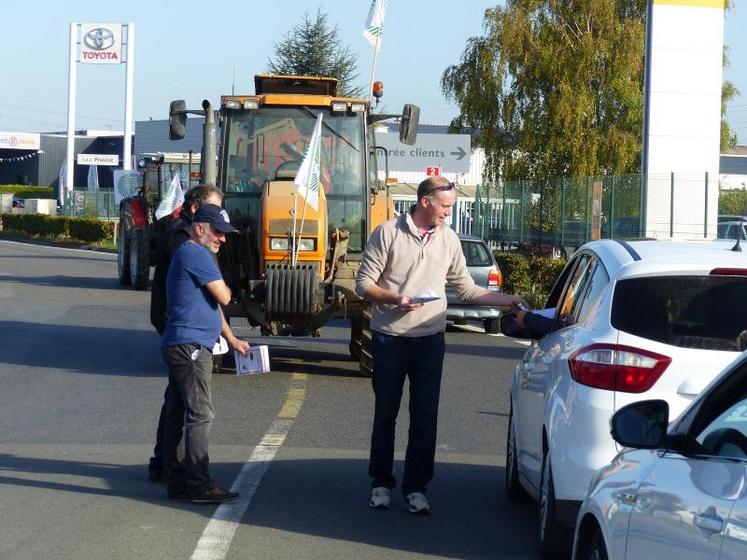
(89, 230)
(544, 271)
(41, 225)
(25, 191)
(530, 277)
(33, 224)
(515, 270)
(732, 202)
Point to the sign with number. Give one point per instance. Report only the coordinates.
(433, 171)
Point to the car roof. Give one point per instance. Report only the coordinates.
(465, 237)
(624, 259)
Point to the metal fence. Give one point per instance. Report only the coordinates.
(81, 203)
(558, 212)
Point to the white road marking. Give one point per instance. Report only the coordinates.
(218, 534)
(88, 251)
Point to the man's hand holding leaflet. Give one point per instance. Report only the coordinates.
(425, 297)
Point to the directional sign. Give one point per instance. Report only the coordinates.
(450, 152)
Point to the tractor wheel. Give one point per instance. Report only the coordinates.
(139, 258)
(365, 359)
(218, 363)
(492, 326)
(123, 253)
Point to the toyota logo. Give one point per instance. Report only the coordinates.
(99, 39)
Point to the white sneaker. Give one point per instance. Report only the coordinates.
(381, 497)
(416, 502)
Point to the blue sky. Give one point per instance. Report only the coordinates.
(191, 50)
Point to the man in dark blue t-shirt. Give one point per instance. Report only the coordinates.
(194, 291)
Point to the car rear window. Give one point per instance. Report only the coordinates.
(476, 253)
(706, 312)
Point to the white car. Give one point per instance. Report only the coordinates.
(633, 321)
(682, 492)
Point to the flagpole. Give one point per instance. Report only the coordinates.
(293, 242)
(373, 66)
(300, 230)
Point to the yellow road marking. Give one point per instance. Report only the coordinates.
(293, 403)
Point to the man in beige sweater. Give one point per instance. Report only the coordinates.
(413, 255)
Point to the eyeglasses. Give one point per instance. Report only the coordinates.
(447, 187)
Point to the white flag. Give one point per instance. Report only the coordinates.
(308, 178)
(172, 198)
(93, 178)
(62, 190)
(126, 183)
(374, 28)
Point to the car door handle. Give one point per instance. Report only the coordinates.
(710, 523)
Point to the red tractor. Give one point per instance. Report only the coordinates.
(138, 227)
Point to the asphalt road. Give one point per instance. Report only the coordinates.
(81, 384)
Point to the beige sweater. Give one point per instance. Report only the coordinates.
(397, 258)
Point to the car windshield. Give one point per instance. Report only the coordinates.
(706, 312)
(476, 253)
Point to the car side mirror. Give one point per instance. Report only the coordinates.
(642, 425)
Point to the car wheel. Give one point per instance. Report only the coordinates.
(492, 326)
(595, 549)
(555, 539)
(514, 489)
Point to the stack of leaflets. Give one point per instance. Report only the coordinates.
(256, 361)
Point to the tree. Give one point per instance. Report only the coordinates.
(312, 48)
(728, 92)
(553, 88)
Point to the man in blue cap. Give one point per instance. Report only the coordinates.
(194, 292)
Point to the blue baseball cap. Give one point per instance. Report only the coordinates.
(215, 216)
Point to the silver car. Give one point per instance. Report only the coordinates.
(676, 491)
(485, 272)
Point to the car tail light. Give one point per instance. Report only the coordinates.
(729, 272)
(617, 368)
(495, 278)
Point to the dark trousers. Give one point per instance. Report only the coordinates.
(421, 360)
(188, 403)
(158, 462)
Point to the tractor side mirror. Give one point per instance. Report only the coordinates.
(408, 126)
(177, 120)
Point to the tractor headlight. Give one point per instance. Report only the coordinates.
(306, 244)
(278, 244)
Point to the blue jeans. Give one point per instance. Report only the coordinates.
(421, 360)
(190, 367)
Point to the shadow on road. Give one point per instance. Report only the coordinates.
(58, 281)
(91, 350)
(328, 498)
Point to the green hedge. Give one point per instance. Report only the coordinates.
(24, 191)
(41, 225)
(88, 229)
(530, 277)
